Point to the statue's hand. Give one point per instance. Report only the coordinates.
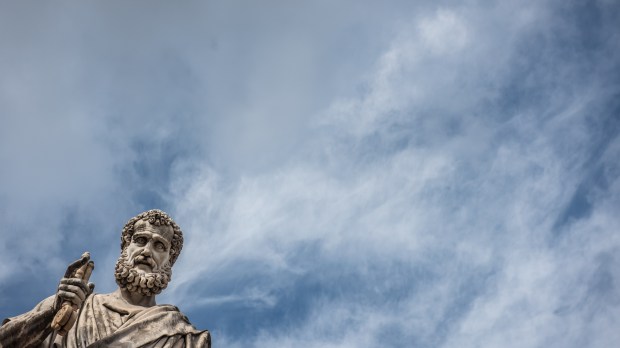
(73, 288)
(72, 291)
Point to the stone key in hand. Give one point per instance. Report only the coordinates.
(66, 316)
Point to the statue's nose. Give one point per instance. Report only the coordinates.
(146, 251)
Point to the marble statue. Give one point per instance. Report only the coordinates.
(128, 317)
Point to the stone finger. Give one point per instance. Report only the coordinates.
(76, 264)
(75, 281)
(74, 289)
(70, 297)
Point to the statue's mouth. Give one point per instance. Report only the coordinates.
(141, 260)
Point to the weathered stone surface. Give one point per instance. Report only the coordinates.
(128, 317)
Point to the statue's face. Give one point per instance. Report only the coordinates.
(149, 249)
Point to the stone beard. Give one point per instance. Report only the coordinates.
(147, 284)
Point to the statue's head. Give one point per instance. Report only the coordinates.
(150, 244)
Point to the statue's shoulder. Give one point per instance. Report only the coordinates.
(168, 307)
(172, 309)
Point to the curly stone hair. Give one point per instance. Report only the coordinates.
(155, 217)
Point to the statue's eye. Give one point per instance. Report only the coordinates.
(140, 240)
(160, 246)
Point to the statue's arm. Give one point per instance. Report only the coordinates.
(29, 329)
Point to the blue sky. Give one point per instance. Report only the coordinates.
(347, 174)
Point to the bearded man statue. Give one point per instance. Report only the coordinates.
(128, 317)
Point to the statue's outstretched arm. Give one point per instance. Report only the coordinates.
(29, 329)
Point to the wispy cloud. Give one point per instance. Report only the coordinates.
(422, 211)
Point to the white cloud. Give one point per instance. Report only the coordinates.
(445, 33)
(416, 171)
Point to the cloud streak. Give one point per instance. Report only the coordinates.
(428, 216)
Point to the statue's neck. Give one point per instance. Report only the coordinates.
(136, 299)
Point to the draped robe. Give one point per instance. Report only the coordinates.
(109, 321)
